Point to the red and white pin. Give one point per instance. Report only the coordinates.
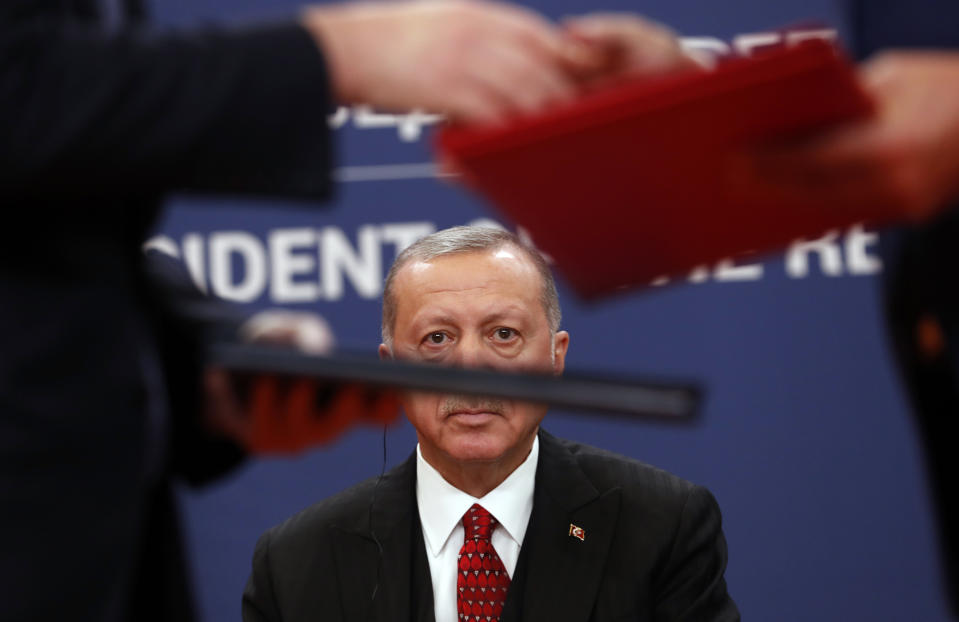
(577, 532)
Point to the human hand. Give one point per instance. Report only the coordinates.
(307, 332)
(284, 415)
(903, 162)
(474, 60)
(625, 45)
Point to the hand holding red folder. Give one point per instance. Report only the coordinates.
(639, 180)
(906, 156)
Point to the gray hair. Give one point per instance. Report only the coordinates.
(468, 239)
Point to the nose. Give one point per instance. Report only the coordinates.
(473, 352)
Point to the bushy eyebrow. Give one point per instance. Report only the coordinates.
(436, 319)
(445, 319)
(508, 314)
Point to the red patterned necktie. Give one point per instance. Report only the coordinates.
(482, 581)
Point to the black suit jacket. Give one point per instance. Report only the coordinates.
(921, 265)
(95, 128)
(654, 549)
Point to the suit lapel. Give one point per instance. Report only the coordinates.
(375, 578)
(564, 572)
(422, 609)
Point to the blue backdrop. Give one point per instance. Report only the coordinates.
(805, 440)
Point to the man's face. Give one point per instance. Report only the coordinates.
(477, 309)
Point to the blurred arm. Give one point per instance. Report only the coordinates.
(86, 114)
(471, 59)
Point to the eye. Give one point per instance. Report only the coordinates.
(437, 338)
(504, 334)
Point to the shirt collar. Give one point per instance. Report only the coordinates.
(442, 505)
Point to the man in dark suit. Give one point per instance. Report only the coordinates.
(915, 141)
(904, 158)
(98, 379)
(492, 518)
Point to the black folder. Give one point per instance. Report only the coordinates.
(670, 401)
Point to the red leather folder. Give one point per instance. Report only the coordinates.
(633, 183)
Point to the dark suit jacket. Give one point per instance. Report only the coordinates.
(654, 549)
(921, 265)
(95, 128)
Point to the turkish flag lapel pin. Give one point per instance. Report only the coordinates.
(577, 532)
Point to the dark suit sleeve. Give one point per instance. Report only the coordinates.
(259, 604)
(211, 319)
(691, 585)
(187, 320)
(86, 115)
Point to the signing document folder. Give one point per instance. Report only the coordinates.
(649, 178)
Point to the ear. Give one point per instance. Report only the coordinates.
(385, 353)
(560, 345)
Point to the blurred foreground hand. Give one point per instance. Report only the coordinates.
(625, 45)
(279, 415)
(904, 161)
(477, 60)
(473, 60)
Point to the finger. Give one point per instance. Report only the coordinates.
(314, 338)
(382, 407)
(880, 71)
(538, 34)
(859, 198)
(847, 150)
(855, 191)
(521, 82)
(306, 331)
(542, 74)
(266, 419)
(288, 421)
(637, 45)
(308, 426)
(223, 412)
(473, 104)
(301, 417)
(879, 193)
(347, 407)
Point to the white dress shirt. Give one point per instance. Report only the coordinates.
(441, 508)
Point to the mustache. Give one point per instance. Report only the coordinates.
(458, 403)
